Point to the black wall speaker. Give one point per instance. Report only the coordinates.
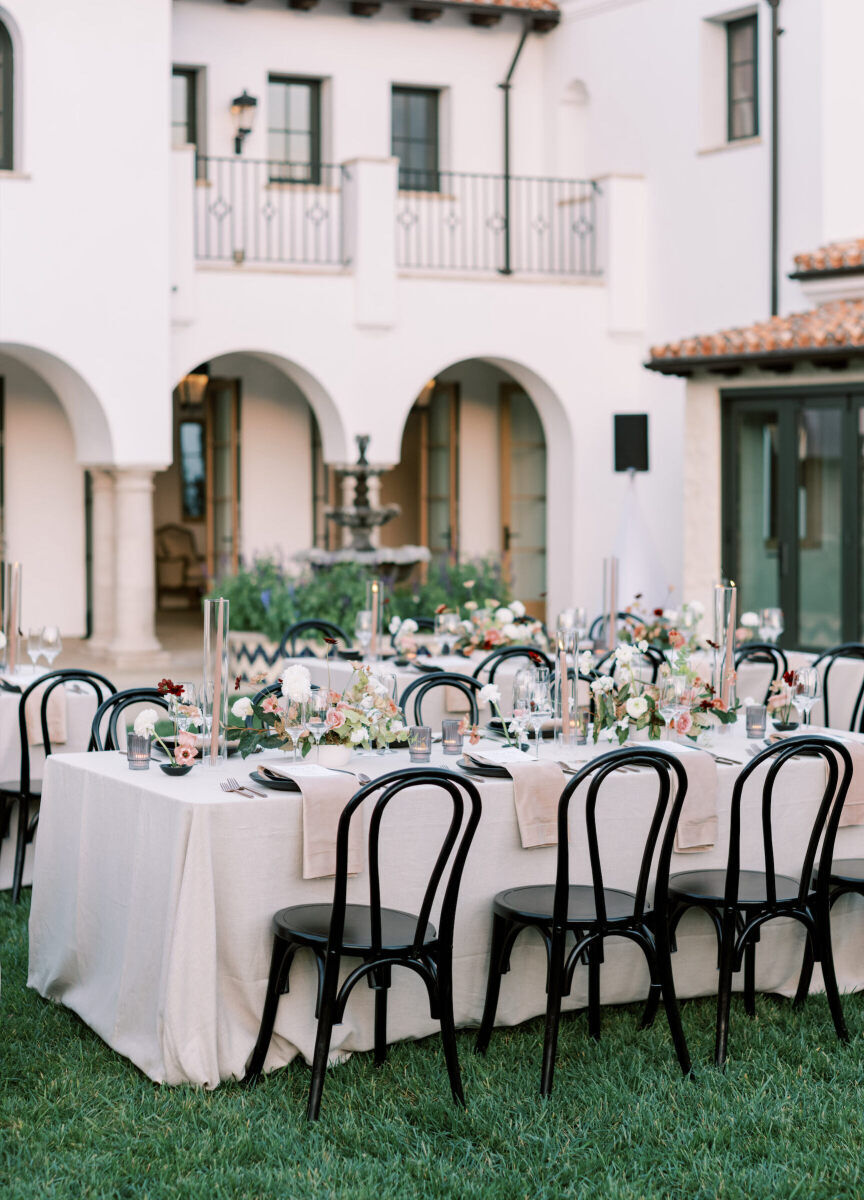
(631, 441)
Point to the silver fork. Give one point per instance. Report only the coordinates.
(234, 786)
(572, 769)
(234, 791)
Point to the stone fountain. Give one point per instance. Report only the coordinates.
(363, 518)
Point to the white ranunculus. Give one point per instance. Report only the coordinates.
(636, 706)
(296, 684)
(750, 620)
(504, 616)
(607, 682)
(490, 694)
(512, 631)
(145, 722)
(358, 735)
(624, 654)
(394, 626)
(242, 708)
(517, 608)
(396, 727)
(586, 662)
(642, 646)
(409, 625)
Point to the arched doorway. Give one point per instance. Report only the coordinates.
(247, 478)
(471, 480)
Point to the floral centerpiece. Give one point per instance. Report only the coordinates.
(494, 626)
(781, 701)
(403, 636)
(184, 750)
(362, 716)
(705, 710)
(625, 705)
(665, 628)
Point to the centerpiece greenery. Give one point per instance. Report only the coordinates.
(664, 629)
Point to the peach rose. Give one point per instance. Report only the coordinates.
(271, 705)
(676, 639)
(684, 724)
(335, 718)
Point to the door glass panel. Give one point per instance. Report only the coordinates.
(756, 511)
(439, 475)
(527, 503)
(820, 523)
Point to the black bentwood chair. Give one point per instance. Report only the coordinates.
(113, 707)
(288, 645)
(382, 938)
(852, 650)
(25, 791)
(494, 660)
(465, 684)
(767, 654)
(739, 902)
(598, 625)
(593, 912)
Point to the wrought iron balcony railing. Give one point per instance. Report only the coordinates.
(453, 221)
(265, 211)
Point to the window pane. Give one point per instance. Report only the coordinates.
(742, 82)
(299, 110)
(400, 115)
(743, 119)
(299, 147)
(276, 106)
(192, 469)
(743, 42)
(179, 86)
(276, 145)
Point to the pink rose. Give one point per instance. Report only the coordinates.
(335, 718)
(676, 639)
(270, 705)
(684, 724)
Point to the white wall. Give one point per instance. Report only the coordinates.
(44, 508)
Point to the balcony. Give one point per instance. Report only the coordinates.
(447, 222)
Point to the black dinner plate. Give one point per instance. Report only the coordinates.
(497, 726)
(490, 772)
(279, 785)
(350, 655)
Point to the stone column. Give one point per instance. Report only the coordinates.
(102, 526)
(135, 570)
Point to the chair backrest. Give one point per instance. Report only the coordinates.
(101, 686)
(175, 541)
(494, 660)
(667, 811)
(113, 707)
(599, 623)
(826, 660)
(764, 653)
(327, 628)
(454, 848)
(825, 821)
(468, 686)
(425, 624)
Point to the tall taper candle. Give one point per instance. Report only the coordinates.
(564, 691)
(12, 614)
(218, 685)
(729, 649)
(376, 609)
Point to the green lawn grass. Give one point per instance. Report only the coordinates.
(77, 1120)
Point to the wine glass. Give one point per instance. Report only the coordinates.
(363, 629)
(523, 682)
(771, 624)
(186, 699)
(540, 705)
(34, 645)
(52, 643)
(317, 707)
(666, 701)
(806, 690)
(295, 723)
(681, 695)
(580, 624)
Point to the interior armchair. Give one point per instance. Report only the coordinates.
(179, 566)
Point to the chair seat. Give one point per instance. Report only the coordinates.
(846, 871)
(13, 788)
(534, 904)
(710, 886)
(310, 924)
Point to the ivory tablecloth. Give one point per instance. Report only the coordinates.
(153, 898)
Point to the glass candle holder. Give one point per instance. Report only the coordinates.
(420, 743)
(451, 738)
(138, 752)
(756, 719)
(583, 716)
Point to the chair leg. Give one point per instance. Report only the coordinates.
(593, 996)
(724, 987)
(750, 979)
(448, 1032)
(380, 1026)
(20, 848)
(500, 930)
(670, 1001)
(655, 988)
(326, 1021)
(280, 962)
(553, 1011)
(806, 973)
(829, 975)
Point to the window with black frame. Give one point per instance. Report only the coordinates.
(6, 100)
(294, 129)
(184, 107)
(414, 137)
(742, 79)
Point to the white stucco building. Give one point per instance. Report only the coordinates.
(194, 326)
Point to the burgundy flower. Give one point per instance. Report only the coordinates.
(168, 688)
(237, 683)
(788, 678)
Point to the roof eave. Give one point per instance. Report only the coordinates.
(827, 273)
(832, 357)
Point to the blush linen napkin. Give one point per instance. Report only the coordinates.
(325, 794)
(697, 825)
(537, 788)
(56, 716)
(853, 808)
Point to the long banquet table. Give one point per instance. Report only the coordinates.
(153, 898)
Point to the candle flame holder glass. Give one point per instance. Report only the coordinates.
(420, 743)
(138, 752)
(451, 738)
(756, 717)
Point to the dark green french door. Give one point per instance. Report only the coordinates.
(792, 527)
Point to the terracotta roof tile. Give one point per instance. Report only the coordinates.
(836, 256)
(837, 324)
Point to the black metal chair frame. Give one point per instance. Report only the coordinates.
(466, 684)
(115, 705)
(495, 659)
(654, 657)
(428, 954)
(646, 926)
(599, 623)
(25, 793)
(738, 922)
(829, 657)
(767, 654)
(312, 625)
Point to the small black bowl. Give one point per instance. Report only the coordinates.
(176, 768)
(785, 726)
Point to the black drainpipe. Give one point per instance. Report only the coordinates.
(505, 87)
(775, 157)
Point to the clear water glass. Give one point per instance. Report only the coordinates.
(541, 705)
(52, 643)
(34, 645)
(806, 690)
(523, 682)
(316, 718)
(295, 723)
(363, 629)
